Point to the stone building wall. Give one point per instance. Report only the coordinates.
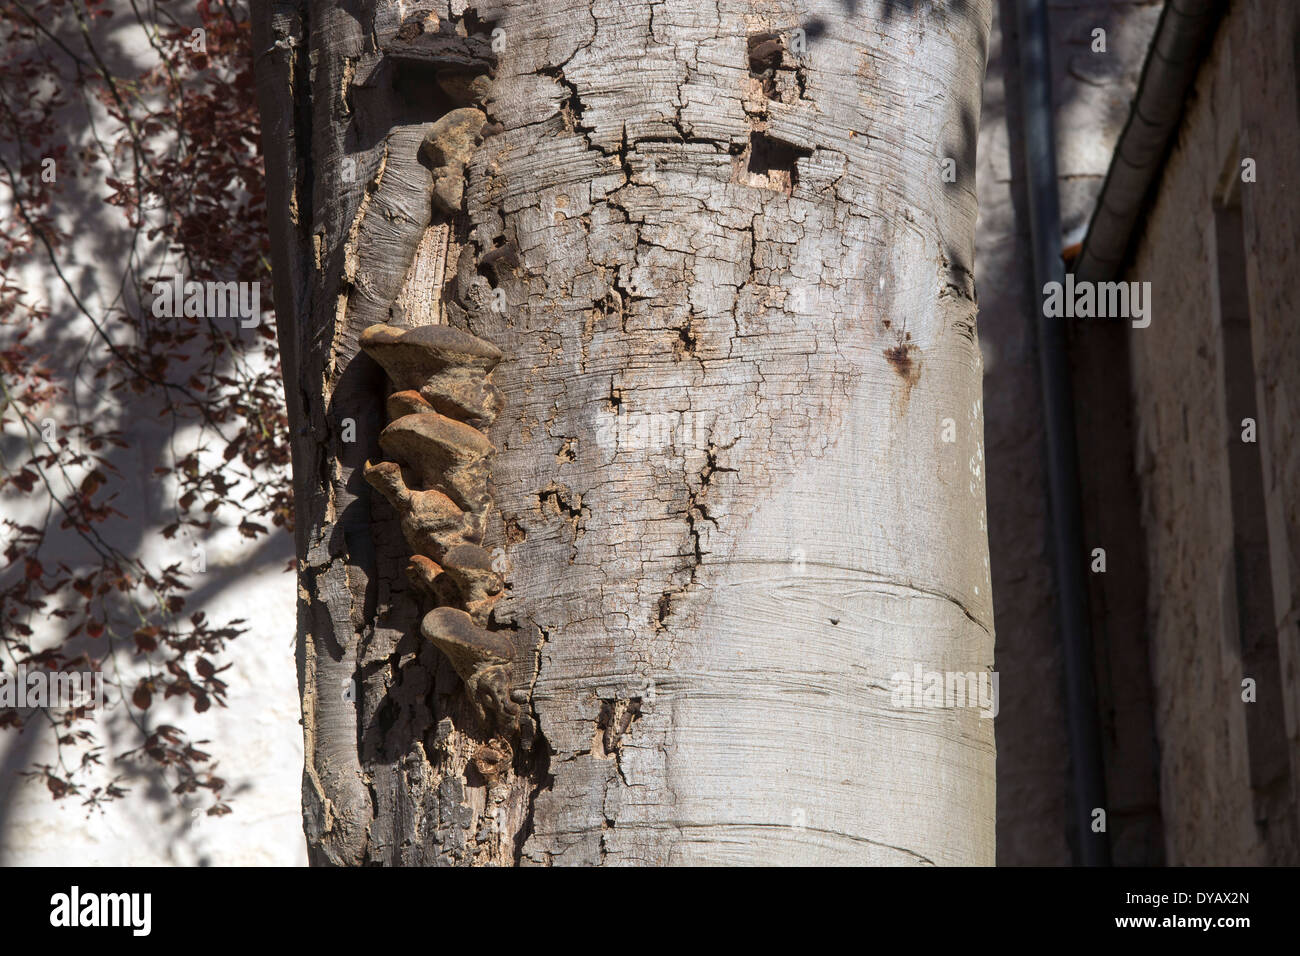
(1226, 766)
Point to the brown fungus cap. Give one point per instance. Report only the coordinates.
(431, 443)
(466, 645)
(423, 572)
(451, 139)
(408, 402)
(412, 356)
(468, 557)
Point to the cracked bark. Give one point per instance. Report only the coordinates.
(734, 299)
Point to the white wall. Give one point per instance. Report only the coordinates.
(257, 740)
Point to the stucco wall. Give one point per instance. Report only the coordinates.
(257, 739)
(1244, 105)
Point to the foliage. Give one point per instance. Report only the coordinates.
(174, 146)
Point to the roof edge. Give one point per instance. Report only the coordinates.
(1178, 48)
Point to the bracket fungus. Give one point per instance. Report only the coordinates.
(431, 522)
(481, 658)
(471, 568)
(448, 368)
(437, 481)
(437, 475)
(408, 402)
(448, 146)
(444, 454)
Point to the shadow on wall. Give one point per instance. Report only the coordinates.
(1091, 92)
(256, 740)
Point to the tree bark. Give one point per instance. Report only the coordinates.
(738, 477)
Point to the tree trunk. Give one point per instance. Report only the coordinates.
(725, 254)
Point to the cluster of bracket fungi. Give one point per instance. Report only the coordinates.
(436, 472)
(438, 484)
(442, 403)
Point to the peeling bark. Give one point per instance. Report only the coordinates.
(732, 294)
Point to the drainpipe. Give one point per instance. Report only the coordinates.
(1087, 778)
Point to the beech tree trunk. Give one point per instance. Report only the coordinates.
(725, 250)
